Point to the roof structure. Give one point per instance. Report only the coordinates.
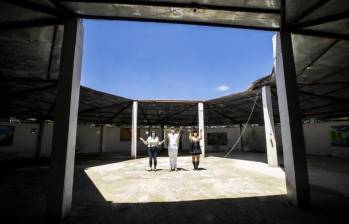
(31, 39)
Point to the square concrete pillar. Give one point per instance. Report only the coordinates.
(201, 121)
(291, 125)
(39, 140)
(66, 115)
(269, 127)
(134, 130)
(101, 138)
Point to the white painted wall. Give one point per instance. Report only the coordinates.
(112, 139)
(233, 134)
(254, 139)
(24, 142)
(46, 143)
(317, 140)
(87, 140)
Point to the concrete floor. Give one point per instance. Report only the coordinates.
(218, 178)
(241, 189)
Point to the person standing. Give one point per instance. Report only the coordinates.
(172, 146)
(152, 143)
(195, 149)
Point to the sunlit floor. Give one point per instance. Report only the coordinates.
(218, 178)
(112, 189)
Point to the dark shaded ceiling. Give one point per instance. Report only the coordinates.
(31, 38)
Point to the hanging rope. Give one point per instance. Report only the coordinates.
(243, 130)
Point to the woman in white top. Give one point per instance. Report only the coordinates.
(153, 143)
(195, 150)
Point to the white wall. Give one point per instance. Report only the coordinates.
(88, 139)
(24, 142)
(112, 141)
(46, 142)
(233, 134)
(278, 137)
(254, 139)
(317, 140)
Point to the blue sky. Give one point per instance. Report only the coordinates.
(140, 60)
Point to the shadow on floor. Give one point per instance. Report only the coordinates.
(89, 206)
(23, 193)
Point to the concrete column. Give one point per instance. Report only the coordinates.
(269, 127)
(40, 139)
(66, 115)
(201, 127)
(291, 125)
(241, 127)
(162, 136)
(134, 130)
(101, 138)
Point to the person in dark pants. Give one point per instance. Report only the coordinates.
(153, 143)
(195, 149)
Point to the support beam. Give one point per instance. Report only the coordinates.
(9, 80)
(34, 7)
(101, 138)
(226, 116)
(52, 49)
(322, 20)
(201, 126)
(182, 5)
(134, 130)
(110, 120)
(317, 58)
(64, 134)
(30, 24)
(145, 115)
(176, 112)
(291, 125)
(162, 136)
(104, 107)
(169, 21)
(269, 127)
(24, 92)
(241, 138)
(40, 139)
(64, 9)
(315, 33)
(317, 5)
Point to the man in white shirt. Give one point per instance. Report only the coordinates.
(172, 146)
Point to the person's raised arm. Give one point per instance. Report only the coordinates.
(165, 134)
(179, 134)
(160, 143)
(180, 131)
(190, 136)
(200, 135)
(144, 141)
